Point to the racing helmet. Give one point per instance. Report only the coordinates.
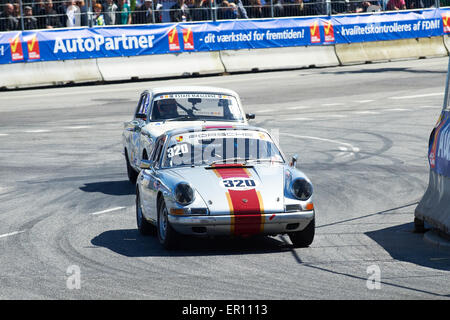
(167, 108)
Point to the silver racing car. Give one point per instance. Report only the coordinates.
(222, 180)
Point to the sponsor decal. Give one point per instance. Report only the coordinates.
(315, 32)
(174, 43)
(16, 49)
(179, 138)
(188, 39)
(446, 22)
(33, 48)
(329, 32)
(246, 206)
(432, 154)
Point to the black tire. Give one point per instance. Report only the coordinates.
(419, 225)
(302, 239)
(145, 228)
(167, 236)
(132, 174)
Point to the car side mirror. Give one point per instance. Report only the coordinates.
(294, 161)
(146, 164)
(250, 116)
(142, 116)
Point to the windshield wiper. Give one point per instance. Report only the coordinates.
(182, 118)
(264, 160)
(228, 159)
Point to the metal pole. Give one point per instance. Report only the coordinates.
(21, 15)
(90, 15)
(437, 3)
(213, 10)
(328, 7)
(153, 12)
(271, 8)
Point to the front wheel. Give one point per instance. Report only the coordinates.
(145, 228)
(167, 236)
(302, 239)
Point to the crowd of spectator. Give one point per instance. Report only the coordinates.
(41, 14)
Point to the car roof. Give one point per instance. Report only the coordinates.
(207, 127)
(196, 89)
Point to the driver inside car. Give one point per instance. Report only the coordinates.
(166, 109)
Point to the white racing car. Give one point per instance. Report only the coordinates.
(222, 181)
(163, 109)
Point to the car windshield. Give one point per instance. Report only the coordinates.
(220, 147)
(196, 106)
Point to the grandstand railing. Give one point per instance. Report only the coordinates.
(43, 14)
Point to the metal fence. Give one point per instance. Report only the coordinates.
(44, 14)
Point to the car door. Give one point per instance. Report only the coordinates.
(150, 182)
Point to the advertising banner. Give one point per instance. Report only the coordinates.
(135, 40)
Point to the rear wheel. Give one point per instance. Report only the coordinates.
(302, 239)
(132, 174)
(167, 236)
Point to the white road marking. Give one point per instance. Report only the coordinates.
(4, 134)
(343, 144)
(431, 107)
(418, 96)
(11, 234)
(37, 131)
(365, 112)
(364, 101)
(332, 104)
(76, 127)
(333, 116)
(297, 108)
(107, 210)
(396, 109)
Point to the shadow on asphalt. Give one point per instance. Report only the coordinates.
(405, 245)
(114, 188)
(130, 243)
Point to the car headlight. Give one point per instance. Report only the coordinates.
(184, 194)
(302, 189)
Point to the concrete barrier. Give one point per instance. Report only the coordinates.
(19, 75)
(434, 208)
(362, 52)
(161, 65)
(278, 58)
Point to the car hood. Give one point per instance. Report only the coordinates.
(158, 128)
(238, 189)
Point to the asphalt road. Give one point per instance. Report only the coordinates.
(361, 133)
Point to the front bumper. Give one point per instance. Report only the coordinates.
(269, 223)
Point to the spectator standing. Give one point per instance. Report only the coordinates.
(29, 22)
(110, 12)
(7, 20)
(180, 12)
(98, 18)
(48, 17)
(73, 18)
(255, 9)
(145, 14)
(201, 10)
(241, 11)
(83, 12)
(123, 13)
(396, 5)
